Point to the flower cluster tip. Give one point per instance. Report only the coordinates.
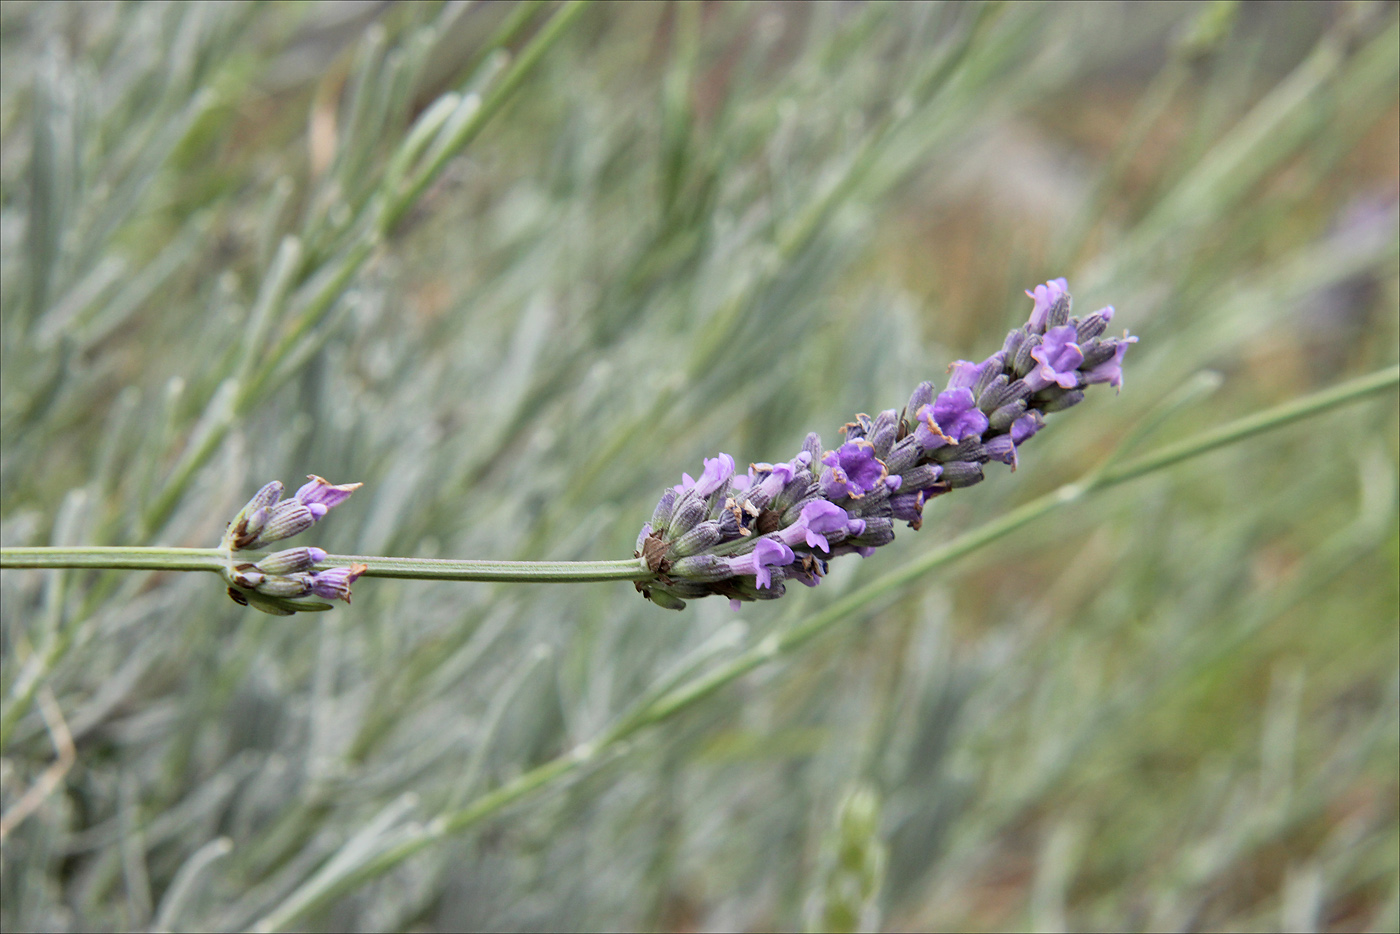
(285, 582)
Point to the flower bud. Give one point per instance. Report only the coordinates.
(701, 568)
(703, 536)
(689, 511)
(990, 397)
(290, 517)
(291, 561)
(285, 586)
(1024, 362)
(1060, 399)
(1004, 417)
(661, 517)
(961, 473)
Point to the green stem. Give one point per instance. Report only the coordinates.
(213, 559)
(539, 572)
(855, 605)
(115, 558)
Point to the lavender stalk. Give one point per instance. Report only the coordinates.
(743, 535)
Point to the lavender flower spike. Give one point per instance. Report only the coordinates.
(786, 521)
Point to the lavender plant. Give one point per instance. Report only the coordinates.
(786, 521)
(514, 265)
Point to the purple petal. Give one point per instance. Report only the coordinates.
(1002, 448)
(1059, 358)
(957, 414)
(769, 552)
(1045, 298)
(1025, 427)
(718, 470)
(855, 465)
(334, 584)
(1110, 371)
(321, 492)
(964, 374)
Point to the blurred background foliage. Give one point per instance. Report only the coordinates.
(227, 257)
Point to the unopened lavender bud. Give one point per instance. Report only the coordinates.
(268, 495)
(701, 568)
(291, 561)
(813, 447)
(1094, 325)
(969, 450)
(289, 517)
(1097, 352)
(642, 537)
(285, 586)
(921, 477)
(1059, 312)
(905, 454)
(1024, 362)
(923, 395)
(661, 516)
(1013, 342)
(1004, 417)
(703, 536)
(878, 531)
(992, 369)
(1061, 399)
(334, 584)
(1019, 389)
(961, 473)
(883, 431)
(689, 512)
(249, 521)
(989, 398)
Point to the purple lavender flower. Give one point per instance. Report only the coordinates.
(766, 553)
(1045, 298)
(852, 470)
(1026, 426)
(1110, 371)
(957, 414)
(334, 584)
(1059, 358)
(1002, 448)
(321, 496)
(928, 434)
(820, 519)
(964, 374)
(717, 472)
(785, 521)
